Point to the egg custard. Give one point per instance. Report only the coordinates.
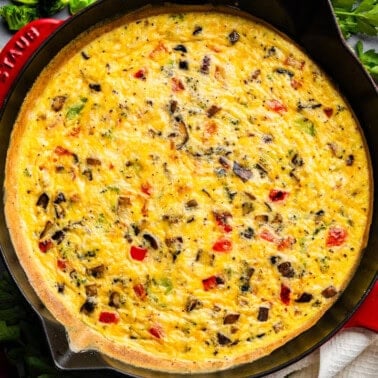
(186, 191)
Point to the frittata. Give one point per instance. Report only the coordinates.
(188, 191)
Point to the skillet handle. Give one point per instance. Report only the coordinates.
(366, 315)
(20, 48)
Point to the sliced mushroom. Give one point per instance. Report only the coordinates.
(58, 236)
(304, 298)
(244, 173)
(115, 299)
(123, 203)
(222, 339)
(43, 200)
(247, 207)
(88, 306)
(58, 102)
(59, 211)
(180, 135)
(151, 240)
(231, 318)
(213, 110)
(329, 292)
(263, 314)
(93, 161)
(233, 37)
(46, 229)
(191, 204)
(91, 290)
(97, 271)
(59, 198)
(192, 304)
(286, 269)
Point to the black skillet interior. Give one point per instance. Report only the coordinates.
(311, 24)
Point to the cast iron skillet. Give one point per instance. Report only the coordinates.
(312, 25)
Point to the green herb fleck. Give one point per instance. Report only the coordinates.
(305, 125)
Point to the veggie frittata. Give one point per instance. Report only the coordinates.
(186, 191)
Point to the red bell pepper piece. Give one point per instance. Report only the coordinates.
(61, 151)
(140, 291)
(276, 195)
(210, 283)
(222, 220)
(108, 317)
(267, 235)
(177, 85)
(138, 253)
(45, 245)
(140, 74)
(222, 245)
(276, 106)
(156, 331)
(61, 264)
(146, 188)
(285, 294)
(336, 236)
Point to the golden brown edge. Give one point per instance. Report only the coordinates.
(84, 338)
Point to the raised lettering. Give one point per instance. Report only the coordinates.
(13, 54)
(7, 63)
(4, 76)
(22, 43)
(32, 34)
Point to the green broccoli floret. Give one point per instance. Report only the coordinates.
(18, 16)
(51, 7)
(78, 5)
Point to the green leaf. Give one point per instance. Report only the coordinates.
(39, 364)
(368, 58)
(8, 332)
(365, 6)
(78, 5)
(344, 4)
(365, 27)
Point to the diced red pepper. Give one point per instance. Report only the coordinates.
(177, 85)
(285, 294)
(328, 112)
(45, 245)
(140, 291)
(295, 84)
(285, 243)
(222, 245)
(138, 253)
(146, 188)
(276, 106)
(336, 236)
(108, 317)
(61, 151)
(293, 62)
(210, 283)
(61, 264)
(267, 235)
(222, 220)
(156, 331)
(276, 195)
(140, 74)
(158, 49)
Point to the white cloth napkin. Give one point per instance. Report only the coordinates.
(351, 353)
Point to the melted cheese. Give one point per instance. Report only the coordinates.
(189, 187)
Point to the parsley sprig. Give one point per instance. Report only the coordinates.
(359, 18)
(21, 335)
